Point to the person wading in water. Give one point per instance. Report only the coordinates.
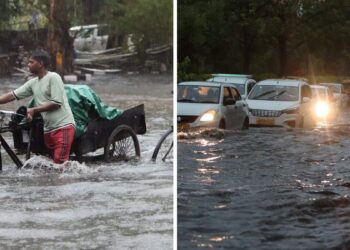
(50, 100)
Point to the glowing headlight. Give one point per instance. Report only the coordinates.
(208, 116)
(322, 109)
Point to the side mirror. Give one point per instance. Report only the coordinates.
(229, 101)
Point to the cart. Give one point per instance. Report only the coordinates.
(117, 136)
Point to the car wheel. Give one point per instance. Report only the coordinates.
(246, 123)
(222, 124)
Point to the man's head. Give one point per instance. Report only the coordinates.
(38, 61)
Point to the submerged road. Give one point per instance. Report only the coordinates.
(265, 188)
(95, 205)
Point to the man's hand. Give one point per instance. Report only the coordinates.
(30, 113)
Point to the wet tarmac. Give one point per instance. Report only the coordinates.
(265, 188)
(94, 205)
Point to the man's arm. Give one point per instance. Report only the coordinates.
(49, 106)
(8, 97)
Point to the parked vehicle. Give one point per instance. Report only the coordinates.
(210, 104)
(326, 107)
(89, 37)
(281, 102)
(340, 96)
(244, 83)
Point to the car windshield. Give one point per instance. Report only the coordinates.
(274, 93)
(198, 94)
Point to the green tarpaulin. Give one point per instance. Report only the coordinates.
(82, 99)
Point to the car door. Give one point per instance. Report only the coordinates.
(239, 108)
(229, 111)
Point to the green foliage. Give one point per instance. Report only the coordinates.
(149, 21)
(265, 37)
(8, 9)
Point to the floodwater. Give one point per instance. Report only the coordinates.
(265, 188)
(95, 205)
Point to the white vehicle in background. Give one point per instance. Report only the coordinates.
(281, 102)
(244, 83)
(210, 104)
(326, 106)
(89, 37)
(340, 96)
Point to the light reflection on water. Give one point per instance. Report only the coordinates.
(94, 205)
(266, 188)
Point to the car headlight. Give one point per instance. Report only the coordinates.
(208, 116)
(322, 109)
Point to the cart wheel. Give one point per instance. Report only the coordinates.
(122, 145)
(164, 147)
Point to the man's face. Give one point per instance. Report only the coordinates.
(34, 65)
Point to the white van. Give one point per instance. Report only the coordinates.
(89, 37)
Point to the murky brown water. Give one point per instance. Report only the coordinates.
(265, 188)
(95, 205)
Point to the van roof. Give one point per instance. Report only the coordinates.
(230, 78)
(77, 28)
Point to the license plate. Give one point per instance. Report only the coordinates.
(265, 122)
(183, 126)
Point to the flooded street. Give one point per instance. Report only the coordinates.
(95, 205)
(265, 188)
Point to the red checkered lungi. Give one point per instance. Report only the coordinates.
(59, 141)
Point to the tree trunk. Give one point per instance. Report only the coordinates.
(59, 41)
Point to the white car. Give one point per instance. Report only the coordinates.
(281, 102)
(326, 106)
(89, 37)
(210, 104)
(244, 83)
(338, 91)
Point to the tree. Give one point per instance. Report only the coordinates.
(8, 9)
(148, 21)
(59, 41)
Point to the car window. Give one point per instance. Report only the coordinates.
(227, 93)
(85, 33)
(198, 94)
(240, 87)
(235, 94)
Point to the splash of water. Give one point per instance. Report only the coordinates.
(45, 164)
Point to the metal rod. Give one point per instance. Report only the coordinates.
(9, 151)
(0, 159)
